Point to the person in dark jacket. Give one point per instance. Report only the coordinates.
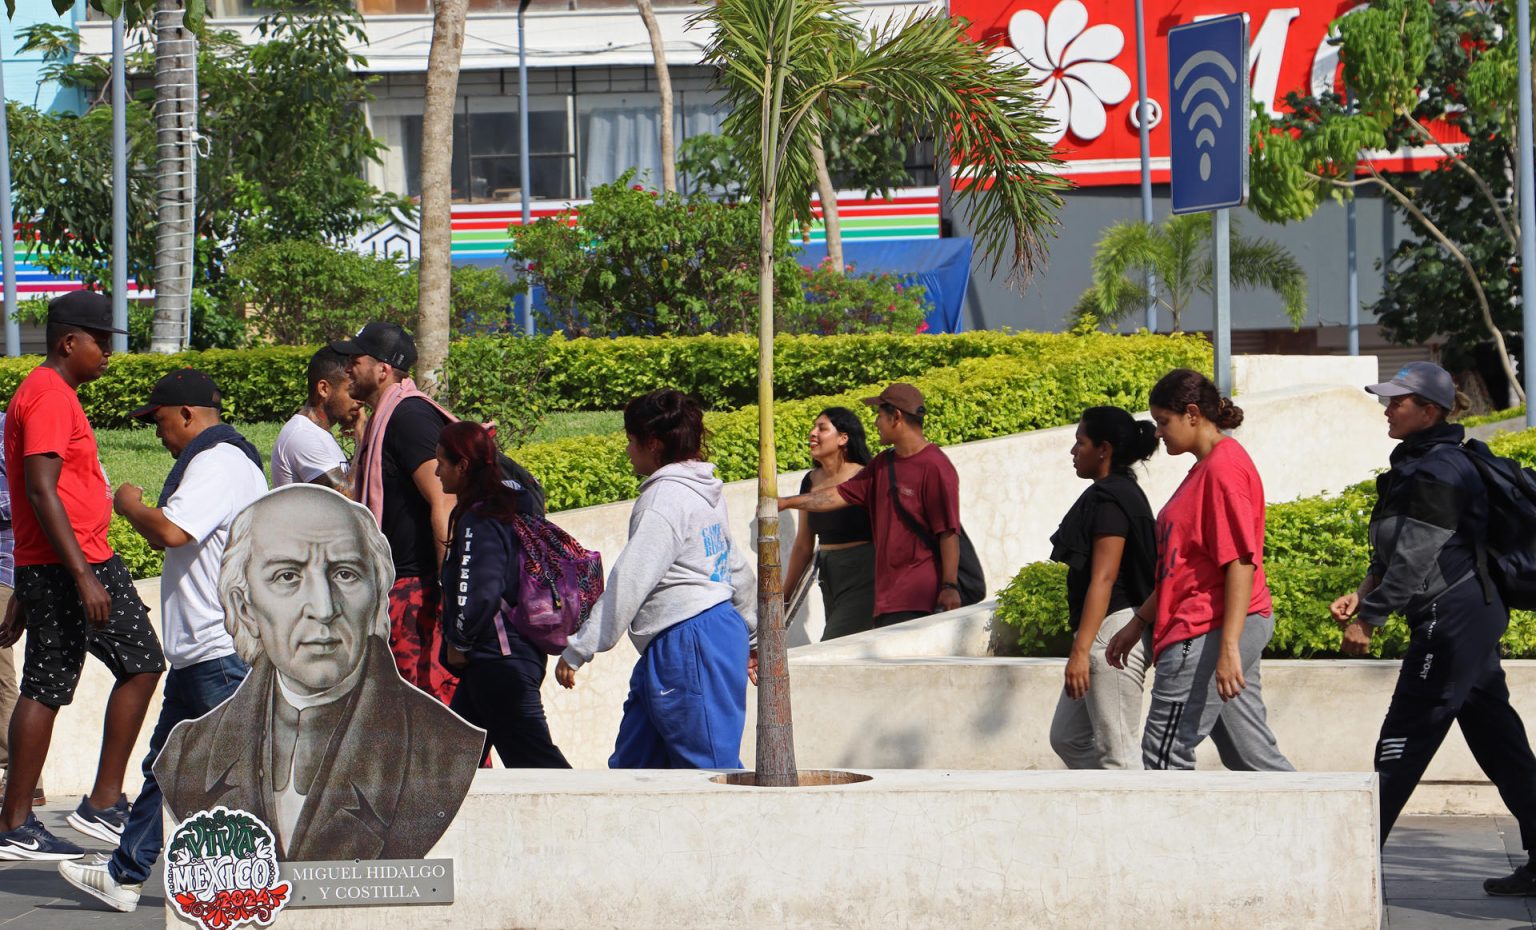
(1108, 541)
(500, 671)
(1427, 535)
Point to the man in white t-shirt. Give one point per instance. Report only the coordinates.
(306, 451)
(216, 475)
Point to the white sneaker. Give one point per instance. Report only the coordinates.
(94, 879)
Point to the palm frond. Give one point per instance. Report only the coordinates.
(1122, 298)
(925, 74)
(1262, 263)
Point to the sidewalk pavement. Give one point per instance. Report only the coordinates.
(1434, 870)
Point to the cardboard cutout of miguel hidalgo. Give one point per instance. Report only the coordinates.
(324, 741)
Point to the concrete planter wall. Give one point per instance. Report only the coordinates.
(926, 694)
(674, 851)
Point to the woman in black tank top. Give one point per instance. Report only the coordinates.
(846, 554)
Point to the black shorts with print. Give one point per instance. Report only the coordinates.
(59, 636)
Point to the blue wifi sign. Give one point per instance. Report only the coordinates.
(1208, 95)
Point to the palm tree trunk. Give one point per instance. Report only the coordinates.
(664, 89)
(828, 194)
(775, 723)
(175, 175)
(436, 274)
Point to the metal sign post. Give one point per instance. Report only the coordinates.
(1208, 160)
(1527, 210)
(1144, 138)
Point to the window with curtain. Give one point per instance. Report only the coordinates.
(623, 132)
(485, 153)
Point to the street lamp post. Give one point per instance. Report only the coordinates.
(522, 150)
(7, 231)
(1527, 211)
(120, 190)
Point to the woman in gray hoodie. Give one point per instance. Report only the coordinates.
(684, 592)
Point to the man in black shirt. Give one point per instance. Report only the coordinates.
(396, 478)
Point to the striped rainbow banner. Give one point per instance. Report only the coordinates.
(481, 230)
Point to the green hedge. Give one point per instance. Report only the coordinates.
(1030, 382)
(1315, 549)
(508, 378)
(258, 384)
(721, 371)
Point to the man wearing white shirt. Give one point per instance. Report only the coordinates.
(305, 450)
(216, 475)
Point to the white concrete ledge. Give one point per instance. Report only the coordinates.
(655, 850)
(926, 695)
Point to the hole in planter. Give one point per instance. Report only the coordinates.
(809, 778)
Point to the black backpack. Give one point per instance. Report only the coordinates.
(1511, 543)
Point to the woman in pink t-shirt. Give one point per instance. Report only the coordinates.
(1210, 612)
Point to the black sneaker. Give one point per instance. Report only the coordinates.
(1521, 883)
(101, 823)
(32, 840)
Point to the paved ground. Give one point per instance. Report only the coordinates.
(1434, 871)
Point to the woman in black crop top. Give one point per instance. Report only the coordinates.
(846, 555)
(1108, 542)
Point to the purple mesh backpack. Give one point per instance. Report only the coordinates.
(558, 583)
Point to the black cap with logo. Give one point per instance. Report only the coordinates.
(187, 387)
(384, 341)
(85, 309)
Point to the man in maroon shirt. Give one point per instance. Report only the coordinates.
(916, 476)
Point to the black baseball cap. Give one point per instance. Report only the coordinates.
(186, 387)
(85, 309)
(384, 341)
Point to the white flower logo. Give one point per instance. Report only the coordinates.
(1071, 60)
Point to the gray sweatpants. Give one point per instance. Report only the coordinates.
(1186, 708)
(1102, 729)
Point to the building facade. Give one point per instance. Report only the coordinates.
(593, 114)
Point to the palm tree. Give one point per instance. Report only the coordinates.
(175, 173)
(1179, 253)
(436, 274)
(784, 61)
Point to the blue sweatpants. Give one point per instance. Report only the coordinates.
(687, 699)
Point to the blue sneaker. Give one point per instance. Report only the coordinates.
(101, 823)
(32, 840)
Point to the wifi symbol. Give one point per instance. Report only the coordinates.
(1196, 110)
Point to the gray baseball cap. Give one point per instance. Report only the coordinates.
(1425, 379)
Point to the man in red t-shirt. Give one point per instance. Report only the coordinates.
(73, 593)
(910, 581)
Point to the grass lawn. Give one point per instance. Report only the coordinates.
(577, 423)
(136, 456)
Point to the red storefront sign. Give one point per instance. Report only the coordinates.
(1084, 53)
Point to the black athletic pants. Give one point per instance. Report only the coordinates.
(501, 696)
(1451, 672)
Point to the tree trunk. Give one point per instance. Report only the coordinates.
(775, 723)
(175, 175)
(664, 89)
(436, 268)
(828, 194)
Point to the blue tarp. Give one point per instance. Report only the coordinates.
(941, 266)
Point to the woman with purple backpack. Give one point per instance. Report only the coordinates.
(500, 670)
